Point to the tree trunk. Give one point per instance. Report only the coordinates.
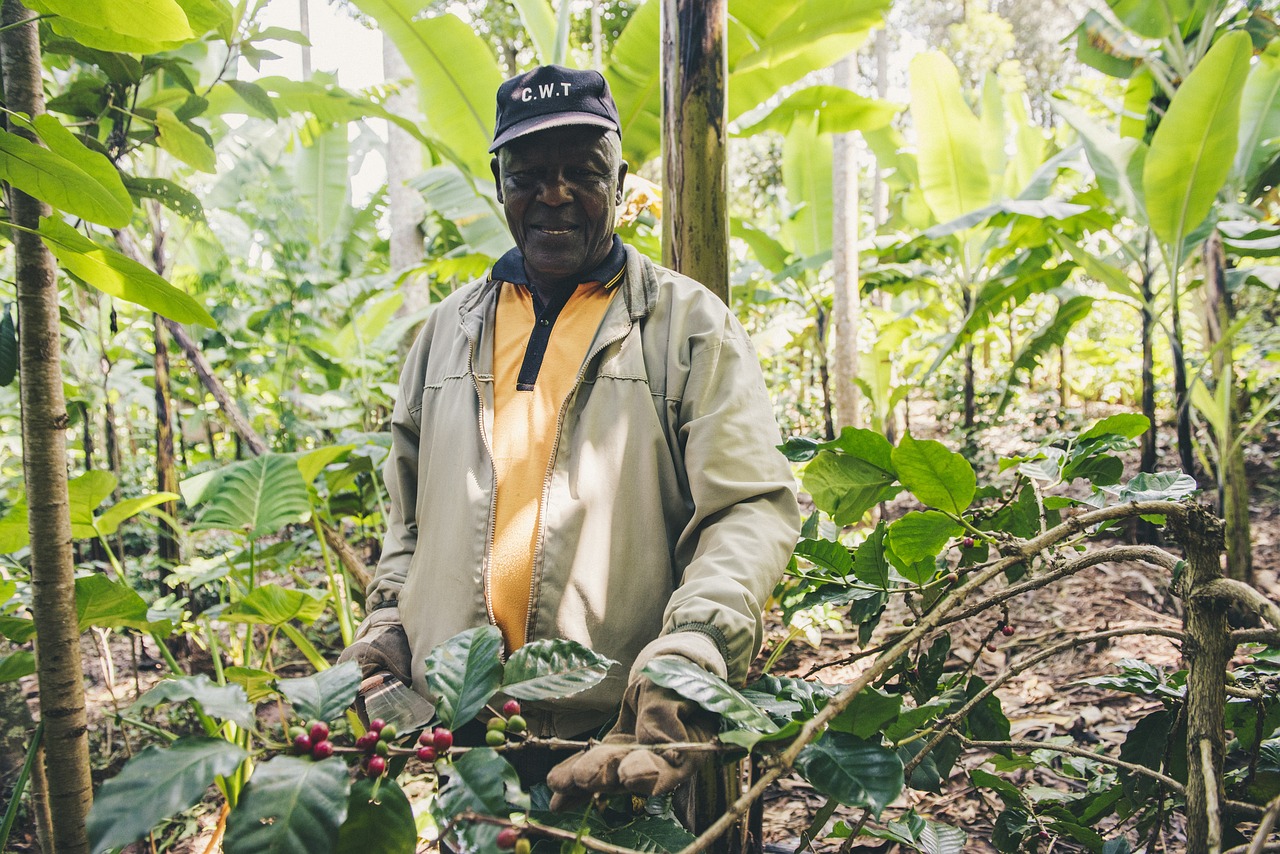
(304, 27)
(166, 465)
(846, 304)
(821, 324)
(1233, 479)
(1181, 400)
(695, 224)
(405, 207)
(44, 463)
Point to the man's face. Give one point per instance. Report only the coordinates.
(560, 188)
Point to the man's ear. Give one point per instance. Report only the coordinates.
(622, 174)
(497, 177)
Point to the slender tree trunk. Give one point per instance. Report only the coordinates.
(821, 325)
(44, 463)
(695, 223)
(970, 410)
(405, 207)
(166, 465)
(304, 27)
(846, 304)
(1181, 399)
(1149, 449)
(1233, 479)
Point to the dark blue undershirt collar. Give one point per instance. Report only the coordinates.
(510, 268)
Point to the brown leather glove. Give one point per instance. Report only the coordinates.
(650, 715)
(381, 646)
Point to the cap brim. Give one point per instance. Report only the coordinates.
(555, 120)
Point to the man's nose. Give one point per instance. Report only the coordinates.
(555, 191)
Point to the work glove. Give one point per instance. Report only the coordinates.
(381, 646)
(650, 714)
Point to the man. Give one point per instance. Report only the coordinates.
(582, 448)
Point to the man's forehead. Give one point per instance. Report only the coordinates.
(576, 141)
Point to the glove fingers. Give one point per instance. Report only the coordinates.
(591, 772)
(645, 772)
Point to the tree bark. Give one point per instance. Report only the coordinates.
(166, 464)
(1233, 479)
(846, 304)
(44, 463)
(695, 222)
(405, 207)
(1181, 399)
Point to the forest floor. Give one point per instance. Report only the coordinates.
(1040, 704)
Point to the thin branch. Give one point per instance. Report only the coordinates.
(1078, 751)
(1259, 842)
(544, 830)
(1230, 590)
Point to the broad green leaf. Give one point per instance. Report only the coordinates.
(844, 486)
(806, 173)
(1051, 335)
(17, 665)
(381, 825)
(157, 20)
(633, 72)
(329, 104)
(178, 199)
(8, 349)
(709, 691)
(225, 702)
(375, 314)
(1193, 147)
(312, 463)
(469, 203)
(325, 695)
(1160, 486)
(17, 629)
(456, 73)
(550, 669)
(107, 604)
(1151, 20)
(987, 721)
(257, 684)
(921, 536)
(464, 672)
(109, 522)
(320, 175)
(255, 497)
(540, 23)
(1128, 425)
(771, 254)
(290, 805)
(255, 97)
(937, 476)
(869, 564)
(51, 177)
(273, 605)
(838, 110)
(827, 554)
(1138, 94)
(953, 174)
(650, 834)
(84, 494)
(480, 781)
(856, 773)
(1102, 45)
(870, 710)
(184, 143)
(154, 785)
(118, 276)
(1259, 117)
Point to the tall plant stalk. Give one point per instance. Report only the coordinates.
(44, 461)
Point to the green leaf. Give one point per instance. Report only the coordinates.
(157, 20)
(856, 773)
(325, 695)
(1193, 147)
(17, 629)
(312, 463)
(258, 684)
(921, 536)
(225, 702)
(1259, 118)
(255, 497)
(456, 73)
(838, 110)
(483, 782)
(844, 486)
(256, 98)
(107, 604)
(463, 673)
(550, 669)
(806, 173)
(709, 691)
(1007, 792)
(273, 605)
(540, 23)
(178, 199)
(290, 805)
(118, 276)
(109, 522)
(987, 721)
(1128, 425)
(651, 834)
(953, 173)
(1051, 335)
(774, 257)
(184, 143)
(1105, 47)
(1160, 486)
(935, 475)
(154, 785)
(320, 174)
(826, 554)
(8, 350)
(869, 712)
(16, 665)
(52, 178)
(85, 493)
(384, 825)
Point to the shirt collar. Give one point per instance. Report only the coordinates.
(510, 267)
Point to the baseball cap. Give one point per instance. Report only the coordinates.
(552, 96)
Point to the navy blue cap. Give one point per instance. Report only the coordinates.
(552, 96)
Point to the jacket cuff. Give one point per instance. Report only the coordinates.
(383, 616)
(691, 644)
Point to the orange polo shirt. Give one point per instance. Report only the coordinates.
(530, 391)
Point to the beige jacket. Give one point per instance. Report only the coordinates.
(668, 513)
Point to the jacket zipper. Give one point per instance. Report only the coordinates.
(551, 462)
(493, 490)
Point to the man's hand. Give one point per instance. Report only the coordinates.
(381, 646)
(650, 715)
